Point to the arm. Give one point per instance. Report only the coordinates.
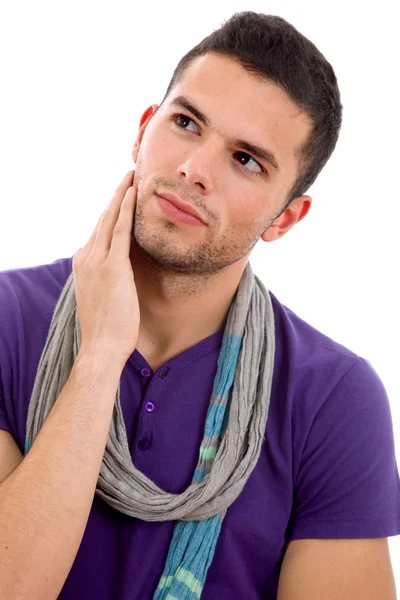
(10, 454)
(337, 569)
(45, 501)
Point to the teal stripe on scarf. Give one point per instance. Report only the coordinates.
(191, 550)
(214, 418)
(193, 543)
(199, 474)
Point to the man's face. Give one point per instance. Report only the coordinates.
(235, 191)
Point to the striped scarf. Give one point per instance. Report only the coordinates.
(233, 434)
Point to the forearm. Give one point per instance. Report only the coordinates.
(45, 503)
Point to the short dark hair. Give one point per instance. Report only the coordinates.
(271, 48)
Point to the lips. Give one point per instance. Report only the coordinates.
(188, 208)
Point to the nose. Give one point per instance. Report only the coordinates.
(199, 166)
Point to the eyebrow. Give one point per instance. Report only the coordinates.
(262, 153)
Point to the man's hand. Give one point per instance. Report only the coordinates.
(106, 296)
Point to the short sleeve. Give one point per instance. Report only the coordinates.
(348, 483)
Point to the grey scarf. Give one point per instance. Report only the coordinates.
(245, 367)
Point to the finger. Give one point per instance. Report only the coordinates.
(87, 248)
(102, 235)
(89, 244)
(122, 234)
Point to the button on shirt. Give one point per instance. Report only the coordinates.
(320, 474)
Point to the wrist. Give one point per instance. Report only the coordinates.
(99, 362)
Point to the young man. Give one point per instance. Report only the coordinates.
(235, 451)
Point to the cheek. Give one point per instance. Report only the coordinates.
(156, 148)
(249, 212)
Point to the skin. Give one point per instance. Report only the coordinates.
(187, 276)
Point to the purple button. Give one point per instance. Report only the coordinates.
(146, 372)
(150, 407)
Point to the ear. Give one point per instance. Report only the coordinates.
(148, 113)
(294, 213)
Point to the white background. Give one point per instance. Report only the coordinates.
(75, 80)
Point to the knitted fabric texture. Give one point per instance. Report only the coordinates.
(233, 434)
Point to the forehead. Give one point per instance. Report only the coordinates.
(241, 105)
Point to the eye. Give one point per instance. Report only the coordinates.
(182, 120)
(245, 158)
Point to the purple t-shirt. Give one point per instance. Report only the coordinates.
(327, 468)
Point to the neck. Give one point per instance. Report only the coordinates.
(179, 310)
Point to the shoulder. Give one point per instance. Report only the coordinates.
(306, 344)
(306, 357)
(335, 419)
(31, 288)
(319, 381)
(27, 298)
(56, 272)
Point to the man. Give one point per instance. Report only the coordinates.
(305, 482)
